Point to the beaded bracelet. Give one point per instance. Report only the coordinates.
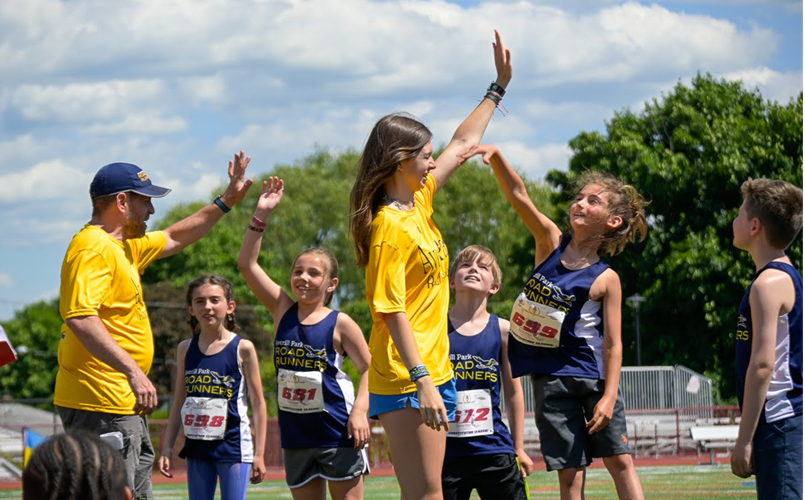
(258, 222)
(221, 204)
(257, 229)
(418, 372)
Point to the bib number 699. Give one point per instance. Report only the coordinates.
(534, 327)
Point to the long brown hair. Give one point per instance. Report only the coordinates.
(623, 201)
(394, 138)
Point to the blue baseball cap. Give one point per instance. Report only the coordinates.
(118, 177)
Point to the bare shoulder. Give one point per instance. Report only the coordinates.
(504, 327)
(246, 345)
(346, 328)
(345, 320)
(607, 283)
(183, 345)
(773, 290)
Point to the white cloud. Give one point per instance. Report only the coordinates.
(44, 181)
(534, 163)
(211, 89)
(140, 125)
(773, 85)
(6, 281)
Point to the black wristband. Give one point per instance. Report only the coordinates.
(494, 87)
(221, 204)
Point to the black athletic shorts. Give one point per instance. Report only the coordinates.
(492, 476)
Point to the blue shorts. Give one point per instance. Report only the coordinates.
(777, 456)
(379, 404)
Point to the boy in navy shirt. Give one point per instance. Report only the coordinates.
(768, 344)
(481, 454)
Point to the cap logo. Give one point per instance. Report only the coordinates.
(142, 176)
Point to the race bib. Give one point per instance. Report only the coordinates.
(473, 414)
(536, 324)
(300, 392)
(204, 418)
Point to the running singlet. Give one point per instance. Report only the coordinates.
(784, 398)
(314, 395)
(210, 378)
(479, 428)
(581, 337)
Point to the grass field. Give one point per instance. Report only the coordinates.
(667, 482)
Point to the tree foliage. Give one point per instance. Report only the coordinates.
(36, 329)
(688, 152)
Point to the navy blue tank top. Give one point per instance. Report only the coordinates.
(580, 351)
(220, 376)
(476, 363)
(314, 395)
(784, 397)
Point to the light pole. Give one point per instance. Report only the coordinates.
(635, 300)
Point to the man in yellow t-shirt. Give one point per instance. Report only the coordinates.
(107, 346)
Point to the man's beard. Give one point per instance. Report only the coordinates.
(134, 228)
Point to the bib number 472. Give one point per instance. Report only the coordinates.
(534, 327)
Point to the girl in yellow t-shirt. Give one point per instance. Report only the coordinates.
(411, 385)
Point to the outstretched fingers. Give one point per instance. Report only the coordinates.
(485, 150)
(503, 61)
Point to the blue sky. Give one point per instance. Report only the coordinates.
(178, 86)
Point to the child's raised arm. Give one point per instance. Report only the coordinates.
(547, 235)
(267, 291)
(472, 129)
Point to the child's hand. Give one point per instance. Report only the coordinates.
(526, 464)
(258, 470)
(602, 414)
(358, 428)
(165, 465)
(487, 151)
(741, 460)
(270, 198)
(503, 62)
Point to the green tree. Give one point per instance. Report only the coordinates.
(34, 332)
(688, 152)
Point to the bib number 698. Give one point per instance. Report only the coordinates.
(191, 420)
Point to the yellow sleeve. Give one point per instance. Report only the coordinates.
(385, 274)
(147, 249)
(86, 284)
(426, 195)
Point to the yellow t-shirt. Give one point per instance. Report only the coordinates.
(100, 276)
(408, 272)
